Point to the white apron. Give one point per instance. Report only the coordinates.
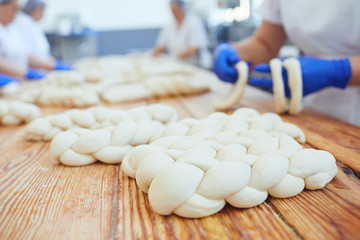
(324, 29)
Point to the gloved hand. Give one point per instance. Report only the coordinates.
(316, 73)
(34, 74)
(5, 80)
(225, 57)
(60, 65)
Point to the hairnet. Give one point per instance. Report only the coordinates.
(5, 1)
(31, 5)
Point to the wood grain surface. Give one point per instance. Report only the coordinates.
(42, 199)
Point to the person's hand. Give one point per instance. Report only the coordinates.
(225, 57)
(5, 80)
(32, 74)
(317, 74)
(60, 65)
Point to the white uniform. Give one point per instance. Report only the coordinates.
(324, 29)
(12, 48)
(33, 36)
(190, 34)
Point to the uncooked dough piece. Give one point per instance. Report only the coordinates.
(64, 78)
(81, 146)
(155, 86)
(43, 129)
(237, 123)
(16, 112)
(195, 178)
(293, 68)
(238, 89)
(278, 85)
(62, 96)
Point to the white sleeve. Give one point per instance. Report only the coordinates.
(162, 38)
(270, 11)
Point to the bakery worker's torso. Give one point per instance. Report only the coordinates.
(326, 29)
(12, 48)
(34, 38)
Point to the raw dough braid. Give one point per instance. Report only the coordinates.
(241, 120)
(64, 78)
(62, 96)
(43, 129)
(16, 112)
(81, 146)
(155, 86)
(195, 178)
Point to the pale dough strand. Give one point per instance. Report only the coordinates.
(293, 68)
(278, 85)
(238, 89)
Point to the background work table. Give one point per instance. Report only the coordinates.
(42, 199)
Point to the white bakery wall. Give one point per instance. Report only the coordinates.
(108, 15)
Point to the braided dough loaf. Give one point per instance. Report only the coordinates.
(81, 146)
(195, 178)
(241, 120)
(61, 96)
(43, 129)
(155, 86)
(16, 112)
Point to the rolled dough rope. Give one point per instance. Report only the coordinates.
(16, 112)
(238, 89)
(43, 129)
(241, 120)
(80, 146)
(278, 85)
(61, 96)
(155, 86)
(293, 68)
(195, 179)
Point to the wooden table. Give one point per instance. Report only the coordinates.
(42, 199)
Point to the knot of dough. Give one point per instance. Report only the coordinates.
(241, 120)
(198, 181)
(81, 146)
(95, 118)
(155, 86)
(14, 113)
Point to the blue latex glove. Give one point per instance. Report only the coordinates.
(5, 80)
(34, 74)
(316, 73)
(60, 65)
(225, 57)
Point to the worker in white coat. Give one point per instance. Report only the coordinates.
(15, 60)
(185, 37)
(327, 31)
(29, 29)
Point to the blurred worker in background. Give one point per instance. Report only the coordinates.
(15, 59)
(185, 38)
(331, 43)
(29, 29)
